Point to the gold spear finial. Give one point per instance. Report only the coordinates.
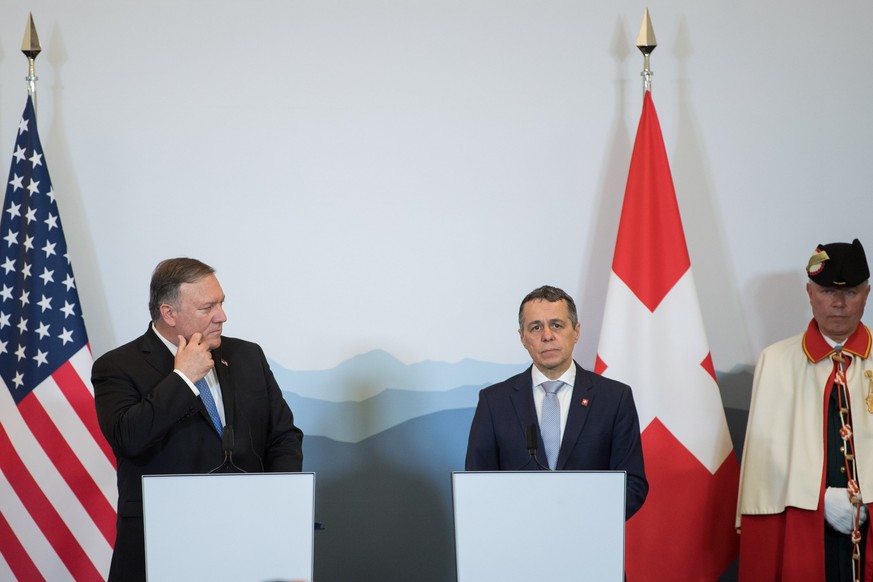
(646, 43)
(646, 40)
(31, 48)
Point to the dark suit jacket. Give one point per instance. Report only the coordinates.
(602, 432)
(156, 425)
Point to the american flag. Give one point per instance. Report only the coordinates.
(57, 473)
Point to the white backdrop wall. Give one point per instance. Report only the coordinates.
(396, 175)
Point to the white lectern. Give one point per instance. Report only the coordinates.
(251, 526)
(556, 526)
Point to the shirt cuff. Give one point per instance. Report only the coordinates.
(188, 382)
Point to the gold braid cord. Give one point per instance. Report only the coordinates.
(840, 364)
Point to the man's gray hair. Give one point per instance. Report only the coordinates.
(168, 276)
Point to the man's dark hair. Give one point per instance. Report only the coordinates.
(168, 276)
(550, 294)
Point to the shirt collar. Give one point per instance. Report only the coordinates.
(568, 377)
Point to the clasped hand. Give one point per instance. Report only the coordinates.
(839, 512)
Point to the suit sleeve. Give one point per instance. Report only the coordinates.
(627, 453)
(131, 417)
(482, 453)
(284, 445)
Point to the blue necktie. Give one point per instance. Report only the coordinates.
(209, 402)
(551, 422)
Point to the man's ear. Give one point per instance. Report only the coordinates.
(168, 314)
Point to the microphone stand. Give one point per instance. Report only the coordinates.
(532, 438)
(227, 466)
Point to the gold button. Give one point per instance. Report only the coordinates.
(842, 469)
(842, 449)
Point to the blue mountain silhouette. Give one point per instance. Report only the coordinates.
(372, 392)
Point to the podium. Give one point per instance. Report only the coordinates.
(518, 526)
(250, 526)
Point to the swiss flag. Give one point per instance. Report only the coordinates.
(653, 339)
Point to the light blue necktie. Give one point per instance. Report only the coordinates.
(550, 427)
(209, 402)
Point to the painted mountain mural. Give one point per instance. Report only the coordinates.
(383, 438)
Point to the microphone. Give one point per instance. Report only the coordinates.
(532, 439)
(227, 441)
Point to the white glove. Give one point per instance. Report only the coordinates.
(839, 512)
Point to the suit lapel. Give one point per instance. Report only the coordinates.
(222, 371)
(523, 402)
(580, 403)
(156, 353)
(525, 410)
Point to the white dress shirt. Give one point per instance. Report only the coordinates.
(564, 393)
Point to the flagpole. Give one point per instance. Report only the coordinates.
(57, 506)
(646, 43)
(31, 48)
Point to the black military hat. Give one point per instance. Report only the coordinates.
(838, 265)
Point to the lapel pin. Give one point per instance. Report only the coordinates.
(585, 402)
(223, 361)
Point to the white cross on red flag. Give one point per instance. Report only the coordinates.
(653, 339)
